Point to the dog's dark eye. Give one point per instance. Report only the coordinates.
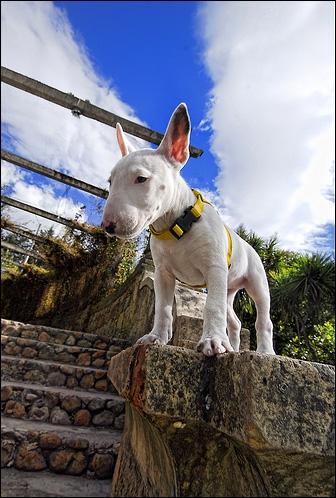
(140, 179)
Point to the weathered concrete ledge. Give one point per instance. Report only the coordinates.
(242, 424)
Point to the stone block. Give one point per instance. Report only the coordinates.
(102, 465)
(29, 457)
(103, 419)
(82, 417)
(87, 381)
(119, 422)
(77, 465)
(240, 424)
(84, 359)
(7, 452)
(15, 409)
(71, 403)
(72, 382)
(43, 337)
(101, 385)
(76, 443)
(96, 404)
(29, 353)
(50, 440)
(56, 379)
(39, 413)
(6, 393)
(98, 363)
(59, 416)
(71, 341)
(60, 459)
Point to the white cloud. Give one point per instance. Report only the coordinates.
(271, 111)
(38, 41)
(10, 174)
(44, 198)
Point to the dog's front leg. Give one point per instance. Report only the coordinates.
(214, 338)
(164, 287)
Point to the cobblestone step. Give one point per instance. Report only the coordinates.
(75, 355)
(63, 406)
(44, 484)
(50, 373)
(60, 336)
(36, 446)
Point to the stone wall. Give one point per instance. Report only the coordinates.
(50, 374)
(65, 453)
(128, 313)
(58, 407)
(125, 314)
(34, 298)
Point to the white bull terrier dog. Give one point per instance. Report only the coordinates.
(189, 241)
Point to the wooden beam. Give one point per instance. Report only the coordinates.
(51, 173)
(12, 262)
(21, 250)
(83, 107)
(22, 232)
(84, 227)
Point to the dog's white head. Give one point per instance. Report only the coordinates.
(142, 182)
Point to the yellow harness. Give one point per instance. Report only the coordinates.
(183, 224)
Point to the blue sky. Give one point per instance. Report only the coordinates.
(257, 78)
(167, 69)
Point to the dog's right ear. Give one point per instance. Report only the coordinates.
(125, 147)
(175, 143)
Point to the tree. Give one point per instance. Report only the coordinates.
(303, 295)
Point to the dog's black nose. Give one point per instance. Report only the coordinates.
(110, 228)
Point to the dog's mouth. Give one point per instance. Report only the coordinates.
(126, 234)
(129, 230)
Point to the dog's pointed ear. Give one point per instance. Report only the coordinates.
(125, 147)
(175, 143)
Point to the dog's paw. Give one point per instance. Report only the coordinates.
(211, 346)
(150, 339)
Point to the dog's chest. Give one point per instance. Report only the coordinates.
(189, 258)
(190, 276)
(183, 263)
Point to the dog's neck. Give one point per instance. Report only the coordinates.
(180, 199)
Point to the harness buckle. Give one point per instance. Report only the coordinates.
(183, 224)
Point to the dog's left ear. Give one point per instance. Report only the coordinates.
(175, 143)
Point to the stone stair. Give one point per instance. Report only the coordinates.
(59, 412)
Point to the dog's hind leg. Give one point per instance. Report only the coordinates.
(257, 288)
(233, 322)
